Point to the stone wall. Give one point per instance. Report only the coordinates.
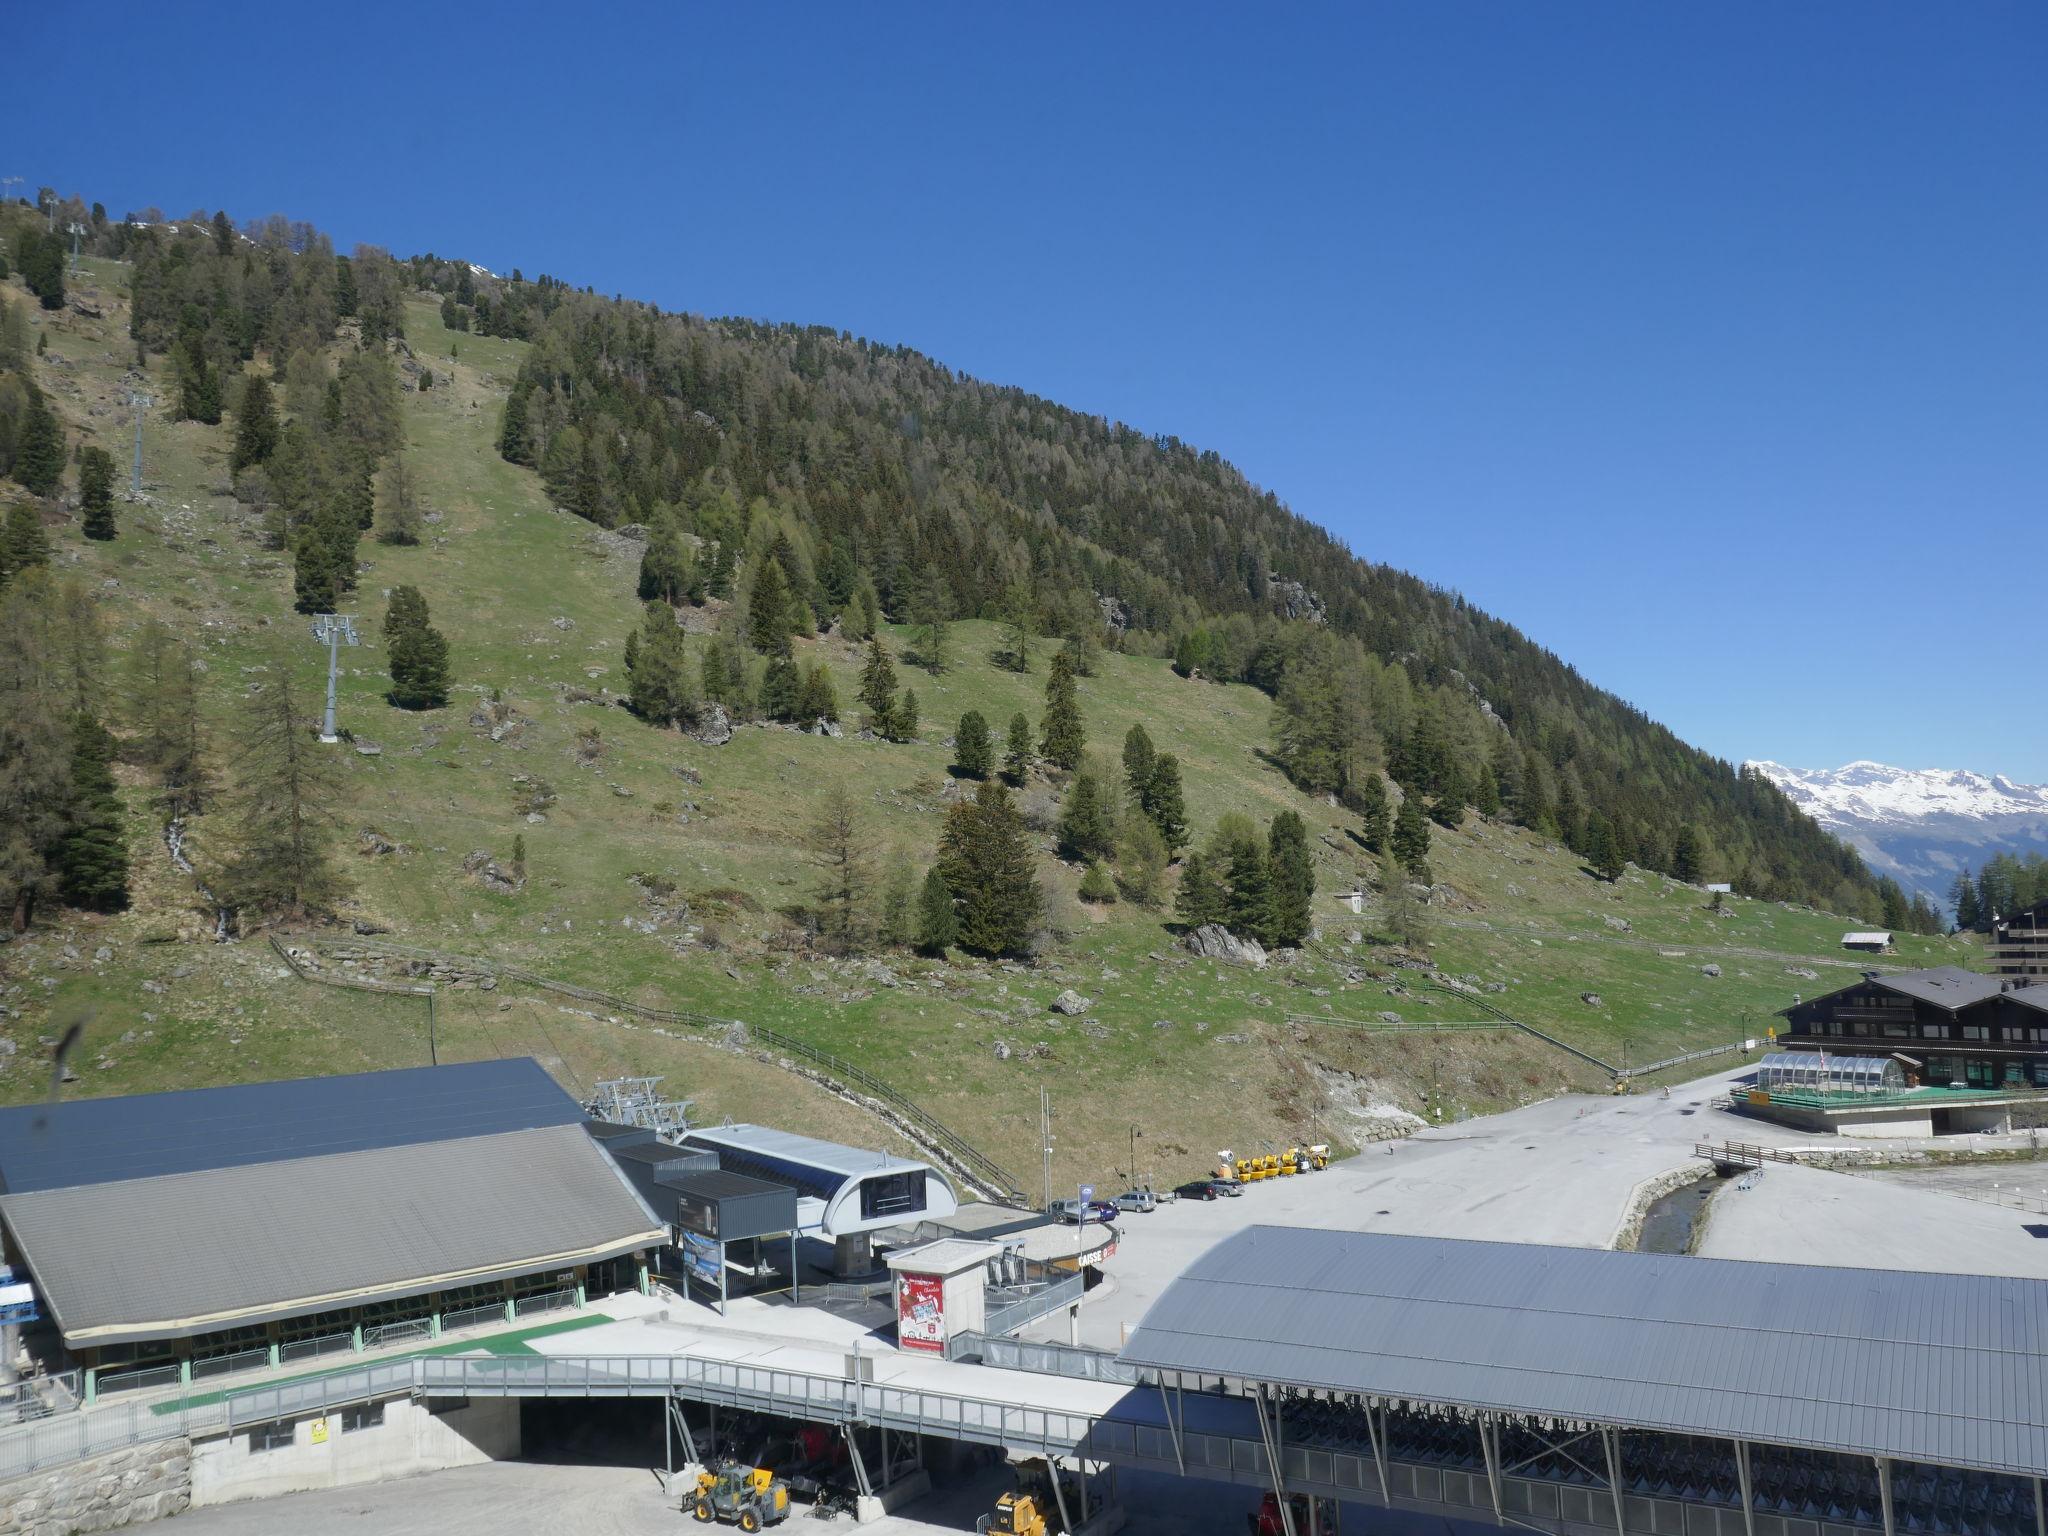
(325, 1451)
(125, 1487)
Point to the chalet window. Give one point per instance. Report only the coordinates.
(1897, 1028)
(1933, 1031)
(1976, 1032)
(2041, 1074)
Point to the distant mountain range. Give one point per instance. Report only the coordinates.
(1920, 826)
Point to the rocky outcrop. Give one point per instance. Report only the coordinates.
(101, 1493)
(1294, 600)
(492, 875)
(1213, 941)
(713, 727)
(1071, 1003)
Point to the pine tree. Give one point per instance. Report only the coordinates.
(39, 458)
(1138, 756)
(1200, 900)
(768, 616)
(839, 847)
(1017, 758)
(1409, 842)
(92, 857)
(199, 392)
(1087, 824)
(667, 570)
(1017, 627)
(1096, 885)
(1061, 738)
(1164, 805)
(780, 685)
(938, 928)
(878, 688)
(96, 492)
(658, 671)
(985, 860)
(513, 446)
(418, 653)
(898, 929)
(1369, 799)
(1486, 792)
(24, 543)
(903, 723)
(1602, 850)
(1249, 910)
(1293, 876)
(1964, 894)
(817, 699)
(36, 769)
(931, 607)
(972, 750)
(255, 424)
(286, 787)
(1688, 862)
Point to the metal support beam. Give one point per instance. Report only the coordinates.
(1376, 1430)
(1059, 1494)
(1884, 1491)
(1489, 1446)
(682, 1424)
(1180, 1461)
(1269, 1437)
(860, 1466)
(1748, 1498)
(1610, 1441)
(2040, 1510)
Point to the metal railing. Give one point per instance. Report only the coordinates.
(1070, 1360)
(139, 1380)
(1049, 1297)
(39, 1397)
(313, 1348)
(470, 1317)
(545, 1301)
(1612, 1069)
(404, 1331)
(226, 1365)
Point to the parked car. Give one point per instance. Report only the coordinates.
(1137, 1200)
(1200, 1189)
(1073, 1213)
(1230, 1187)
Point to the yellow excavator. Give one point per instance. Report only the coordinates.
(751, 1498)
(1031, 1509)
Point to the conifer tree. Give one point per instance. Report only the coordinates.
(1141, 856)
(931, 607)
(1087, 824)
(39, 457)
(1486, 792)
(418, 653)
(35, 749)
(1163, 804)
(1249, 909)
(513, 446)
(1603, 849)
(1409, 842)
(972, 750)
(1096, 885)
(1687, 861)
(1200, 900)
(938, 929)
(816, 698)
(96, 492)
(658, 670)
(1138, 756)
(903, 723)
(780, 685)
(1369, 797)
(25, 544)
(768, 616)
(1017, 758)
(92, 857)
(1293, 878)
(286, 787)
(985, 860)
(839, 847)
(1017, 627)
(161, 694)
(397, 519)
(1061, 738)
(878, 688)
(255, 424)
(198, 384)
(667, 570)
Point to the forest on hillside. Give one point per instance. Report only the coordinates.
(858, 481)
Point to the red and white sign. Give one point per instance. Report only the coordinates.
(921, 1313)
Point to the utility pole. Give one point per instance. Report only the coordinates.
(336, 629)
(1045, 1138)
(140, 400)
(6, 182)
(76, 229)
(53, 212)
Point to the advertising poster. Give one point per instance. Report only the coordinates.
(921, 1313)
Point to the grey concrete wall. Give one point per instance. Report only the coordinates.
(409, 1440)
(124, 1487)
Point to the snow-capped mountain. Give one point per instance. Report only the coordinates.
(1919, 826)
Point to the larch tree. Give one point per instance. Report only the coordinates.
(398, 519)
(286, 786)
(841, 851)
(878, 688)
(35, 749)
(1409, 842)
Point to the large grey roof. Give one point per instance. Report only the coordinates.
(1946, 986)
(87, 1141)
(808, 1165)
(1939, 1368)
(191, 1252)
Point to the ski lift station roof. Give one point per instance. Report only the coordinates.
(841, 1191)
(1943, 1369)
(168, 1215)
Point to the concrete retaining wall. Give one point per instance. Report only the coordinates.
(323, 1454)
(124, 1487)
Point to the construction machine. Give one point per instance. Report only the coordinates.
(1318, 1157)
(751, 1498)
(1032, 1508)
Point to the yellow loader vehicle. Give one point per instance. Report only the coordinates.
(751, 1498)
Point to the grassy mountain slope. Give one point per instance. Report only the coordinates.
(536, 604)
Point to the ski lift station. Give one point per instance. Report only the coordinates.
(844, 1194)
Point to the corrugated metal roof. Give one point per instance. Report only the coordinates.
(190, 1252)
(90, 1141)
(1947, 986)
(769, 1145)
(1950, 1369)
(1866, 938)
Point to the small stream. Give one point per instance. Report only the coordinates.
(1669, 1224)
(174, 840)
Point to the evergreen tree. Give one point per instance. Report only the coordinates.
(199, 391)
(1096, 885)
(418, 653)
(1249, 910)
(1017, 758)
(36, 762)
(903, 723)
(255, 424)
(1369, 799)
(658, 670)
(768, 616)
(1017, 627)
(513, 446)
(1963, 893)
(1602, 850)
(41, 257)
(899, 905)
(24, 543)
(1293, 881)
(162, 698)
(840, 849)
(1163, 803)
(1087, 824)
(817, 699)
(1688, 862)
(1141, 861)
(1138, 756)
(96, 492)
(92, 857)
(397, 519)
(1201, 899)
(938, 929)
(931, 607)
(39, 457)
(878, 688)
(1409, 842)
(667, 570)
(780, 685)
(286, 787)
(973, 753)
(1486, 792)
(1061, 738)
(986, 863)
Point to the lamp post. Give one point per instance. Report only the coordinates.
(1135, 1134)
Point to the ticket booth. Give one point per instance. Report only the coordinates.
(941, 1291)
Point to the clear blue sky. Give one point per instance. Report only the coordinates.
(1707, 343)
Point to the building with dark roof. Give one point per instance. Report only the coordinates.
(2019, 944)
(263, 1220)
(1946, 1026)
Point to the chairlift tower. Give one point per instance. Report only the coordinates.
(76, 229)
(337, 629)
(7, 182)
(141, 401)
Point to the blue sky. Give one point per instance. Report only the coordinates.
(1706, 343)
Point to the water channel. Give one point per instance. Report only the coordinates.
(1671, 1220)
